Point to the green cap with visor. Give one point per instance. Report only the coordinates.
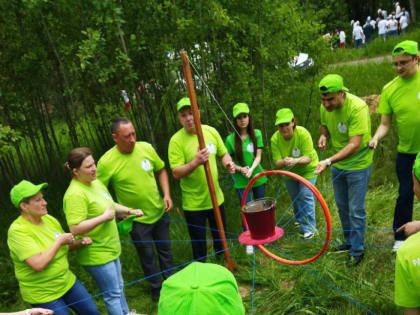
(331, 83)
(201, 288)
(185, 101)
(24, 190)
(283, 116)
(407, 47)
(240, 108)
(416, 168)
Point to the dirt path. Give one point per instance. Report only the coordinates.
(363, 61)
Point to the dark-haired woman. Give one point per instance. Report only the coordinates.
(90, 211)
(245, 146)
(292, 149)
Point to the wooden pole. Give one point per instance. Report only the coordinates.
(197, 122)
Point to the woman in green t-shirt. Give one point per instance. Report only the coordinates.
(90, 211)
(38, 247)
(245, 146)
(292, 149)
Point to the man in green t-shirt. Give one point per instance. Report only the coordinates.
(407, 264)
(186, 162)
(345, 118)
(130, 168)
(401, 98)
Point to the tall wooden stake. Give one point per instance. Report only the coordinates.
(191, 93)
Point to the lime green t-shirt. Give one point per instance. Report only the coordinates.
(132, 177)
(351, 119)
(82, 202)
(298, 146)
(248, 158)
(407, 273)
(182, 150)
(401, 98)
(25, 240)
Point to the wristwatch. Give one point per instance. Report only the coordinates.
(328, 162)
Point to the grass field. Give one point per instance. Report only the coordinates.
(325, 286)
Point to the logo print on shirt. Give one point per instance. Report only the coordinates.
(57, 234)
(145, 164)
(107, 196)
(418, 95)
(342, 128)
(296, 152)
(250, 147)
(211, 147)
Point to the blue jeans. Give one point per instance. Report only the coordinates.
(304, 204)
(83, 303)
(258, 192)
(350, 190)
(404, 205)
(358, 43)
(109, 279)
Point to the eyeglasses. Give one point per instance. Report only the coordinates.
(402, 63)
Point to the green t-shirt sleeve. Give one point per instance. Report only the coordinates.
(221, 149)
(230, 143)
(275, 150)
(260, 142)
(384, 106)
(102, 173)
(359, 123)
(175, 154)
(157, 161)
(75, 209)
(22, 244)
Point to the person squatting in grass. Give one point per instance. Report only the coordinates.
(187, 164)
(38, 248)
(246, 150)
(407, 264)
(130, 168)
(293, 150)
(90, 211)
(345, 119)
(401, 98)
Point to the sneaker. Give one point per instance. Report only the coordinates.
(341, 248)
(397, 245)
(249, 249)
(155, 294)
(354, 260)
(308, 235)
(134, 312)
(297, 224)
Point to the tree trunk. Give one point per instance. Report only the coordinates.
(413, 11)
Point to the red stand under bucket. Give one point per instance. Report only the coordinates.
(260, 216)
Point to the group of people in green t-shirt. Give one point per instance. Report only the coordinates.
(39, 245)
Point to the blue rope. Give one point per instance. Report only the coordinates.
(145, 278)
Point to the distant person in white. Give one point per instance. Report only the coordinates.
(357, 35)
(403, 23)
(342, 37)
(382, 28)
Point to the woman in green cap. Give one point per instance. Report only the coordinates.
(245, 146)
(292, 149)
(90, 211)
(38, 247)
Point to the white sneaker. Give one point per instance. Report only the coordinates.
(134, 312)
(296, 223)
(308, 235)
(249, 249)
(397, 245)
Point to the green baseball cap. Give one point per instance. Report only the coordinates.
(24, 190)
(125, 226)
(331, 83)
(283, 116)
(240, 108)
(201, 288)
(416, 168)
(408, 47)
(185, 101)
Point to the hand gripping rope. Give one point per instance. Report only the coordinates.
(321, 201)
